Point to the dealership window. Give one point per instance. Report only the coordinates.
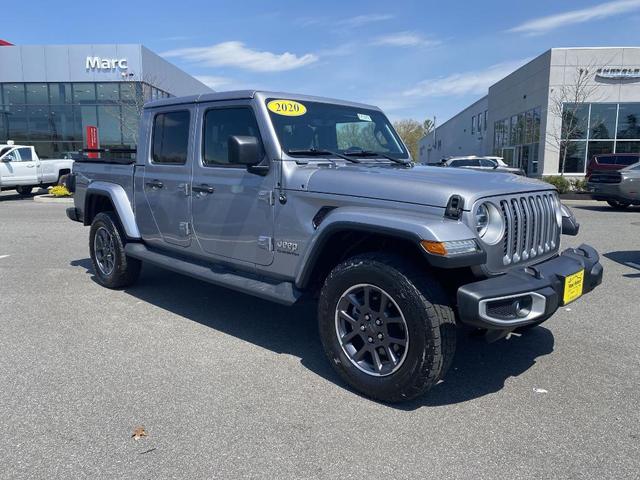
(602, 120)
(13, 94)
(37, 93)
(479, 123)
(602, 135)
(485, 119)
(53, 116)
(107, 92)
(516, 139)
(84, 93)
(60, 93)
(629, 120)
(473, 125)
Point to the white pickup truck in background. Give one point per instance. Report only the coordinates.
(22, 170)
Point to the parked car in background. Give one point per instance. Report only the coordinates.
(21, 169)
(619, 188)
(492, 164)
(269, 194)
(611, 162)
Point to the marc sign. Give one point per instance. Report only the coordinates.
(99, 63)
(618, 73)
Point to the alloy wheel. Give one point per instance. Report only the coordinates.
(371, 330)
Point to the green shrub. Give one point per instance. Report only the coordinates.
(579, 185)
(561, 183)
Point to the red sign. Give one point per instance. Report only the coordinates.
(92, 140)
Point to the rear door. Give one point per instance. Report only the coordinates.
(167, 175)
(232, 207)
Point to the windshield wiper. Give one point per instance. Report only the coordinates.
(371, 153)
(317, 152)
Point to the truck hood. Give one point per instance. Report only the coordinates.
(422, 185)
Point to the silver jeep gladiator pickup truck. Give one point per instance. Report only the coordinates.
(283, 196)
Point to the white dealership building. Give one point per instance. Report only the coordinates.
(517, 119)
(50, 94)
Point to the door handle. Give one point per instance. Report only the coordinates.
(155, 184)
(30, 166)
(203, 188)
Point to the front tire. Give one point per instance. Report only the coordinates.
(618, 205)
(24, 190)
(112, 268)
(387, 328)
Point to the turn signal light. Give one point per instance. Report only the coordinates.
(448, 249)
(437, 248)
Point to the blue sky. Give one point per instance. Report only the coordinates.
(415, 59)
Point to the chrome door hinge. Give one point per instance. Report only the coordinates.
(266, 196)
(185, 229)
(265, 243)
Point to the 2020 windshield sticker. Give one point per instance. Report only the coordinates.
(288, 108)
(364, 117)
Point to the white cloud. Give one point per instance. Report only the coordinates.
(405, 39)
(603, 10)
(464, 83)
(236, 54)
(213, 82)
(361, 20)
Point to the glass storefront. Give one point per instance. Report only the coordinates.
(53, 116)
(591, 129)
(517, 139)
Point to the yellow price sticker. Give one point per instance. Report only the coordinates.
(573, 285)
(288, 108)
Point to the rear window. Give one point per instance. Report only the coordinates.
(170, 138)
(617, 160)
(465, 163)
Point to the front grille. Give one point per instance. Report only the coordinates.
(531, 228)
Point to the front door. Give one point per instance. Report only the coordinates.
(167, 176)
(232, 208)
(20, 169)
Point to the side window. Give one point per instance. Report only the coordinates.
(487, 163)
(12, 156)
(219, 125)
(25, 154)
(170, 138)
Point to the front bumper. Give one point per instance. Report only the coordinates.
(527, 295)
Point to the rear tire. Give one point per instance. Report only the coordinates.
(618, 205)
(24, 190)
(416, 313)
(112, 268)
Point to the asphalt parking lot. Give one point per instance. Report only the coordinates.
(228, 386)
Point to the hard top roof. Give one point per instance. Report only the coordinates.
(249, 94)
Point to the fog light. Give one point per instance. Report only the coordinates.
(522, 306)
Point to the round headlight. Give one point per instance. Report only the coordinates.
(482, 219)
(489, 223)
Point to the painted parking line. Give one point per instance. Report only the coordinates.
(3, 256)
(632, 265)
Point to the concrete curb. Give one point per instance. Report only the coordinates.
(52, 199)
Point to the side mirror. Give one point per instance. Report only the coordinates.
(570, 225)
(8, 158)
(244, 150)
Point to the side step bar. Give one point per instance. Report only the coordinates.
(283, 292)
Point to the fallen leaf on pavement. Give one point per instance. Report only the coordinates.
(138, 433)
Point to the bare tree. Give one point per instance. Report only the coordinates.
(566, 104)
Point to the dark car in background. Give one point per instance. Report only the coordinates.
(619, 188)
(611, 162)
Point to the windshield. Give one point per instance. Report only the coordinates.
(302, 126)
